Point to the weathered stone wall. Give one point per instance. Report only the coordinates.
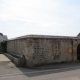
(76, 42)
(52, 50)
(66, 50)
(39, 51)
(21, 46)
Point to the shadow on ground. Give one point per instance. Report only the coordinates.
(49, 69)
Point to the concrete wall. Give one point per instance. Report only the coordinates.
(39, 51)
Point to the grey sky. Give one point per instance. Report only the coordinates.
(47, 17)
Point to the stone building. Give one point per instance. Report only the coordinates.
(43, 49)
(2, 39)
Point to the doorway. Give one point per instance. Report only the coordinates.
(78, 52)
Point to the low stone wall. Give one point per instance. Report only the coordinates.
(17, 61)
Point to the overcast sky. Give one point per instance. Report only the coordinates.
(45, 17)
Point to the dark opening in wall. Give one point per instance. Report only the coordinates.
(4, 46)
(78, 52)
